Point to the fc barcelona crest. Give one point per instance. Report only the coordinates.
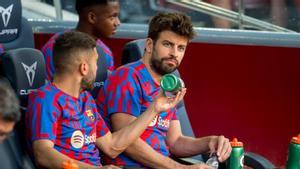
(90, 114)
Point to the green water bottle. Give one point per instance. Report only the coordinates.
(293, 161)
(236, 159)
(171, 83)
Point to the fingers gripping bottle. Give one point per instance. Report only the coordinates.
(236, 159)
(171, 83)
(294, 154)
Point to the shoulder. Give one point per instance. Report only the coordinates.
(133, 73)
(133, 68)
(86, 96)
(100, 43)
(49, 44)
(46, 94)
(103, 47)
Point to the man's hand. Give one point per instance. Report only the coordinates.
(162, 103)
(221, 145)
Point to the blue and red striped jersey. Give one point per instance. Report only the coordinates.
(1, 49)
(47, 50)
(72, 124)
(107, 53)
(131, 89)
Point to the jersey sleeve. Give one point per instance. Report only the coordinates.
(175, 114)
(105, 51)
(102, 129)
(123, 94)
(1, 49)
(110, 62)
(47, 51)
(42, 117)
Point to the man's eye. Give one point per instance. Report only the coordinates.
(167, 44)
(114, 17)
(181, 48)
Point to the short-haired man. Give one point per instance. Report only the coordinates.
(99, 19)
(62, 118)
(9, 110)
(131, 88)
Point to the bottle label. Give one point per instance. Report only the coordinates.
(242, 160)
(181, 83)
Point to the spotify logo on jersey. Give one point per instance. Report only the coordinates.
(77, 139)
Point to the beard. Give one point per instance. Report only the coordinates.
(162, 68)
(88, 81)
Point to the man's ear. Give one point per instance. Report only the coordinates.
(84, 68)
(92, 18)
(149, 45)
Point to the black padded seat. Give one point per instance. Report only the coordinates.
(25, 71)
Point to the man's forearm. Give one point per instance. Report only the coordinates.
(51, 158)
(189, 146)
(145, 154)
(122, 138)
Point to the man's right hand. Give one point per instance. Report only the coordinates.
(163, 103)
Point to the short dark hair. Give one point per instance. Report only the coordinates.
(9, 104)
(67, 48)
(82, 4)
(178, 23)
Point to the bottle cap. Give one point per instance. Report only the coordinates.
(169, 82)
(236, 143)
(296, 139)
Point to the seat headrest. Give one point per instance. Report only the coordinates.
(15, 31)
(10, 20)
(25, 70)
(133, 51)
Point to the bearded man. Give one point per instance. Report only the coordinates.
(130, 90)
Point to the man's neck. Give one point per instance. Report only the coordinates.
(81, 27)
(155, 76)
(68, 84)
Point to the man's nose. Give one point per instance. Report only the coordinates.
(117, 22)
(174, 52)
